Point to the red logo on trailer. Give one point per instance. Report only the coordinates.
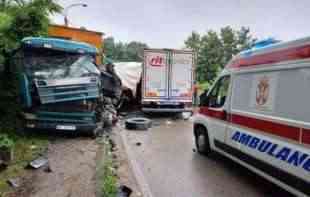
(157, 61)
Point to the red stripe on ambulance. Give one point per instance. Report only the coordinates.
(218, 114)
(305, 136)
(278, 129)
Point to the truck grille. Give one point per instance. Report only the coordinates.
(57, 94)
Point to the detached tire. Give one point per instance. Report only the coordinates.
(202, 141)
(138, 123)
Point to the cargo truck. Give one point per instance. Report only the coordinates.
(60, 85)
(168, 80)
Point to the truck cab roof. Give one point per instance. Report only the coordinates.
(59, 44)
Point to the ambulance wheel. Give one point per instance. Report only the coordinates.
(202, 141)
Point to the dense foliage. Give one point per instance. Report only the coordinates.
(22, 18)
(126, 52)
(214, 49)
(18, 19)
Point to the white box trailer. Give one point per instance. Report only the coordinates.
(168, 80)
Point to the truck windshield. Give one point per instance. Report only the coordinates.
(52, 64)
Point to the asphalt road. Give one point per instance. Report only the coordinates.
(172, 168)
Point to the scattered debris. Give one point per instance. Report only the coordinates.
(155, 124)
(168, 122)
(123, 113)
(186, 115)
(112, 143)
(3, 165)
(124, 191)
(138, 144)
(6, 155)
(176, 117)
(48, 169)
(15, 183)
(138, 123)
(39, 162)
(114, 156)
(114, 149)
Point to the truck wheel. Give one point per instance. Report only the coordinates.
(138, 123)
(202, 141)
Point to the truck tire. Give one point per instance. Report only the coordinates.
(202, 140)
(138, 123)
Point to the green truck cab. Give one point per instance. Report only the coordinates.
(60, 86)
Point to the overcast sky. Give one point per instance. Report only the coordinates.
(167, 23)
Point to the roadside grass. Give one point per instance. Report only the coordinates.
(26, 148)
(107, 179)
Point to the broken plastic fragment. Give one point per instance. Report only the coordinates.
(39, 162)
(124, 191)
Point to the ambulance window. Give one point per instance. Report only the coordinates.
(219, 93)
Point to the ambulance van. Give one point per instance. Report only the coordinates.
(257, 113)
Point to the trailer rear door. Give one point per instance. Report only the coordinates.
(155, 79)
(181, 83)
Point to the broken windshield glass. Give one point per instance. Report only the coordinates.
(49, 64)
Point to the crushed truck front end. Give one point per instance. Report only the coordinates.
(59, 85)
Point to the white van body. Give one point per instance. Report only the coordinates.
(167, 80)
(258, 114)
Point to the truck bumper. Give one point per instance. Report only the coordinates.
(73, 124)
(53, 126)
(172, 110)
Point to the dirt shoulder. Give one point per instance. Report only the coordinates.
(73, 169)
(73, 165)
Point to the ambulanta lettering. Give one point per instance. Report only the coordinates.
(297, 158)
(292, 157)
(306, 166)
(264, 145)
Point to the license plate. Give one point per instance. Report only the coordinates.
(66, 127)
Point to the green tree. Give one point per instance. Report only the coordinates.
(18, 19)
(119, 51)
(109, 47)
(22, 18)
(194, 41)
(135, 50)
(214, 50)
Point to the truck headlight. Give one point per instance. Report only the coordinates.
(30, 125)
(29, 116)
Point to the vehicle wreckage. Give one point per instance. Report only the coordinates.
(62, 88)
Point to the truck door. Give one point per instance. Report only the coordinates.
(155, 75)
(215, 108)
(181, 75)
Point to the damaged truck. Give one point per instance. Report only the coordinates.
(61, 87)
